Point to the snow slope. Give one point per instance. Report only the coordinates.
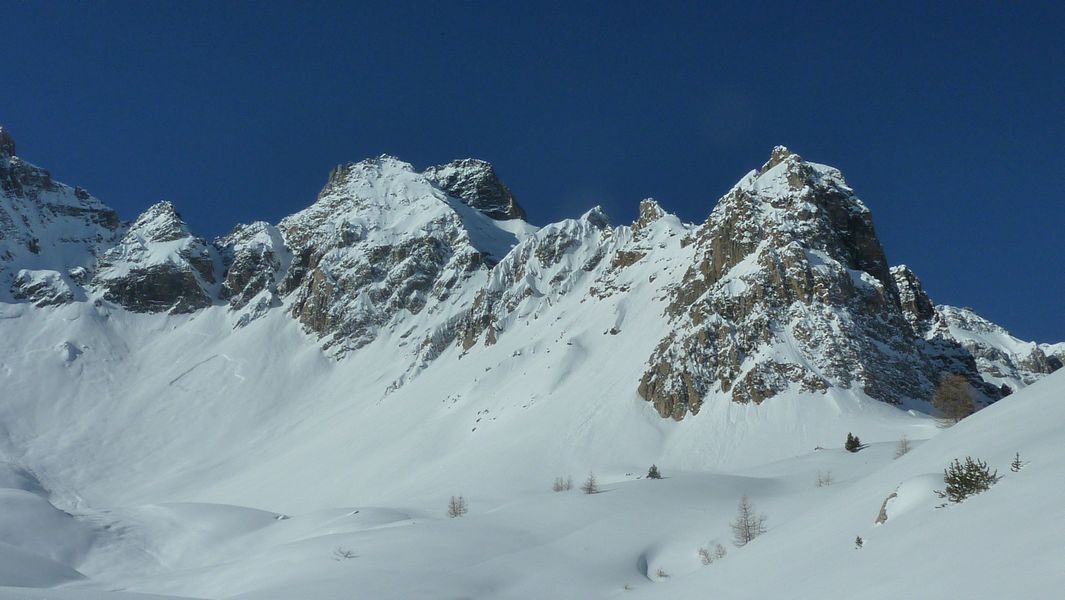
(315, 490)
(1004, 543)
(257, 417)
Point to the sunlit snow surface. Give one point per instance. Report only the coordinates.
(195, 460)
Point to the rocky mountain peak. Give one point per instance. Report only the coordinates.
(255, 258)
(7, 143)
(787, 259)
(383, 241)
(50, 233)
(916, 304)
(475, 183)
(596, 217)
(369, 169)
(160, 223)
(19, 178)
(159, 266)
(650, 211)
(778, 155)
(791, 201)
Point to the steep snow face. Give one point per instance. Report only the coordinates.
(585, 258)
(159, 266)
(475, 183)
(50, 233)
(790, 287)
(381, 242)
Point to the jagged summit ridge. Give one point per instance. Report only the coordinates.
(785, 286)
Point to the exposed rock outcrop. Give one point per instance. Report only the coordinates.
(42, 288)
(790, 288)
(159, 266)
(785, 286)
(46, 226)
(475, 183)
(380, 239)
(917, 307)
(255, 259)
(999, 357)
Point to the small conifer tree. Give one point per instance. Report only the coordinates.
(853, 443)
(457, 507)
(964, 480)
(705, 556)
(1016, 465)
(563, 484)
(590, 485)
(653, 473)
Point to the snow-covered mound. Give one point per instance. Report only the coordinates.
(1003, 543)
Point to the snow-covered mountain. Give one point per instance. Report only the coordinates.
(784, 286)
(409, 335)
(50, 234)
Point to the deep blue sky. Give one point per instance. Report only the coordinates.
(948, 121)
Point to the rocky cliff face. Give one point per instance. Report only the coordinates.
(475, 183)
(50, 233)
(1000, 357)
(785, 286)
(790, 289)
(960, 341)
(254, 260)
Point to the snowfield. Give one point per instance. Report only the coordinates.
(174, 455)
